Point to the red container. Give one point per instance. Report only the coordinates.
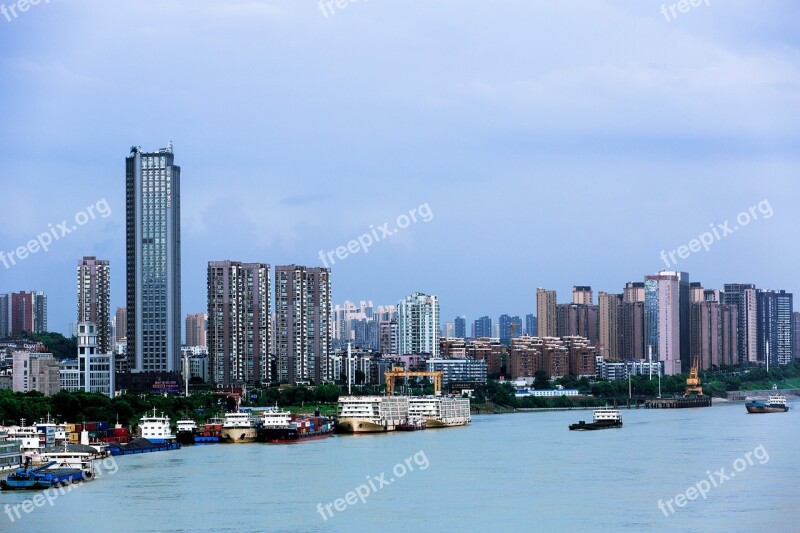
(120, 431)
(78, 428)
(91, 426)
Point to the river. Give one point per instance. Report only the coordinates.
(521, 471)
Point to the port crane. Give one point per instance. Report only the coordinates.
(693, 384)
(400, 372)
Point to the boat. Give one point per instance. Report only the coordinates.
(775, 404)
(239, 428)
(414, 423)
(42, 477)
(605, 418)
(209, 433)
(288, 429)
(371, 414)
(186, 430)
(141, 445)
(156, 429)
(440, 411)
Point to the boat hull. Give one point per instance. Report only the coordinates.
(356, 425)
(288, 436)
(434, 423)
(593, 426)
(237, 435)
(45, 480)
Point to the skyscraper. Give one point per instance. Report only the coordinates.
(743, 296)
(121, 320)
(546, 312)
(153, 269)
(418, 324)
(633, 292)
(461, 327)
(506, 323)
(303, 322)
(238, 323)
(94, 300)
(197, 323)
(796, 335)
(5, 316)
(668, 319)
(581, 295)
(609, 315)
(531, 329)
(774, 315)
(482, 328)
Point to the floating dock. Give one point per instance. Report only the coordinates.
(678, 403)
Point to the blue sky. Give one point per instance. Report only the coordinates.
(556, 143)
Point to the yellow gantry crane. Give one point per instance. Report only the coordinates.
(693, 384)
(400, 372)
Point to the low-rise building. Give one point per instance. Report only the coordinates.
(459, 370)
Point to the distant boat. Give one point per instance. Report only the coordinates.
(240, 428)
(604, 418)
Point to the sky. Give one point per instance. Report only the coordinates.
(546, 144)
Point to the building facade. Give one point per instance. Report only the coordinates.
(609, 311)
(546, 312)
(94, 299)
(35, 372)
(774, 332)
(743, 296)
(28, 312)
(461, 327)
(196, 326)
(153, 253)
(238, 323)
(668, 319)
(303, 321)
(93, 371)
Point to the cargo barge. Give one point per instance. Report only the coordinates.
(605, 418)
(43, 477)
(141, 445)
(775, 404)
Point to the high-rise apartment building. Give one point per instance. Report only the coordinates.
(153, 251)
(482, 328)
(238, 323)
(196, 326)
(94, 299)
(774, 315)
(631, 331)
(796, 335)
(743, 296)
(609, 318)
(418, 324)
(546, 312)
(303, 322)
(633, 292)
(531, 327)
(510, 328)
(28, 312)
(5, 316)
(713, 333)
(582, 295)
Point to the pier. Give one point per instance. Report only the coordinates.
(678, 403)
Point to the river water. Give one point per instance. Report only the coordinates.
(524, 471)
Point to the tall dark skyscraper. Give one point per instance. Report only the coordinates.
(774, 314)
(94, 300)
(153, 223)
(461, 327)
(482, 328)
(530, 326)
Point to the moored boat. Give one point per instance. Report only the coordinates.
(605, 418)
(186, 430)
(371, 414)
(156, 429)
(46, 476)
(239, 428)
(440, 411)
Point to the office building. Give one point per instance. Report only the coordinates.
(196, 326)
(238, 323)
(303, 322)
(531, 327)
(459, 370)
(449, 330)
(668, 319)
(510, 327)
(94, 299)
(461, 327)
(418, 324)
(93, 371)
(153, 252)
(35, 372)
(482, 328)
(546, 312)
